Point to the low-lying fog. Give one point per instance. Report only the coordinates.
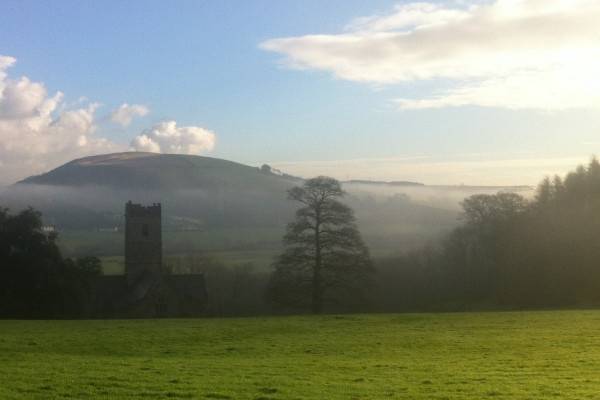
(392, 217)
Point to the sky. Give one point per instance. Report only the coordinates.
(494, 92)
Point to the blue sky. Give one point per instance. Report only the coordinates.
(206, 64)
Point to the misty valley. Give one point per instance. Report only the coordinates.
(226, 220)
(220, 206)
(300, 200)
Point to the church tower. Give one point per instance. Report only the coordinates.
(143, 241)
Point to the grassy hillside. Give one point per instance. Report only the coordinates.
(533, 355)
(151, 171)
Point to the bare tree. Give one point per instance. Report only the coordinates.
(325, 259)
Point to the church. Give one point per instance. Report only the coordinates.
(147, 290)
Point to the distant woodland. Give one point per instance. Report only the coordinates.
(508, 253)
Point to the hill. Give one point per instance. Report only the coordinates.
(151, 171)
(386, 183)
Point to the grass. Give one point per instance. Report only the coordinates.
(226, 245)
(231, 246)
(529, 355)
(113, 265)
(81, 242)
(260, 259)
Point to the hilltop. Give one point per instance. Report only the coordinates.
(151, 171)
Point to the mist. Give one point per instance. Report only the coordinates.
(446, 197)
(393, 218)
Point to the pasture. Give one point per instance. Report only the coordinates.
(516, 355)
(230, 246)
(94, 243)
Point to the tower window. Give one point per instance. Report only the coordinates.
(145, 230)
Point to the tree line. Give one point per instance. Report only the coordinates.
(36, 281)
(509, 253)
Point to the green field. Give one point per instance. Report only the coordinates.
(261, 259)
(229, 246)
(76, 243)
(528, 355)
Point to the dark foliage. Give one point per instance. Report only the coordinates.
(509, 253)
(236, 290)
(36, 281)
(325, 261)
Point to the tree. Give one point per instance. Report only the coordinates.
(325, 259)
(35, 280)
(482, 209)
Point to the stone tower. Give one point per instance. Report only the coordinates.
(143, 241)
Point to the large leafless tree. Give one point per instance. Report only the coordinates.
(325, 259)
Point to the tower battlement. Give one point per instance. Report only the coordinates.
(138, 210)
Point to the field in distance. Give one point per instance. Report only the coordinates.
(229, 246)
(536, 355)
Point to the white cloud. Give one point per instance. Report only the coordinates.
(5, 62)
(167, 137)
(407, 16)
(126, 112)
(37, 133)
(521, 54)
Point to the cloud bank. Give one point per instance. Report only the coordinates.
(126, 113)
(167, 137)
(40, 131)
(516, 54)
(37, 132)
